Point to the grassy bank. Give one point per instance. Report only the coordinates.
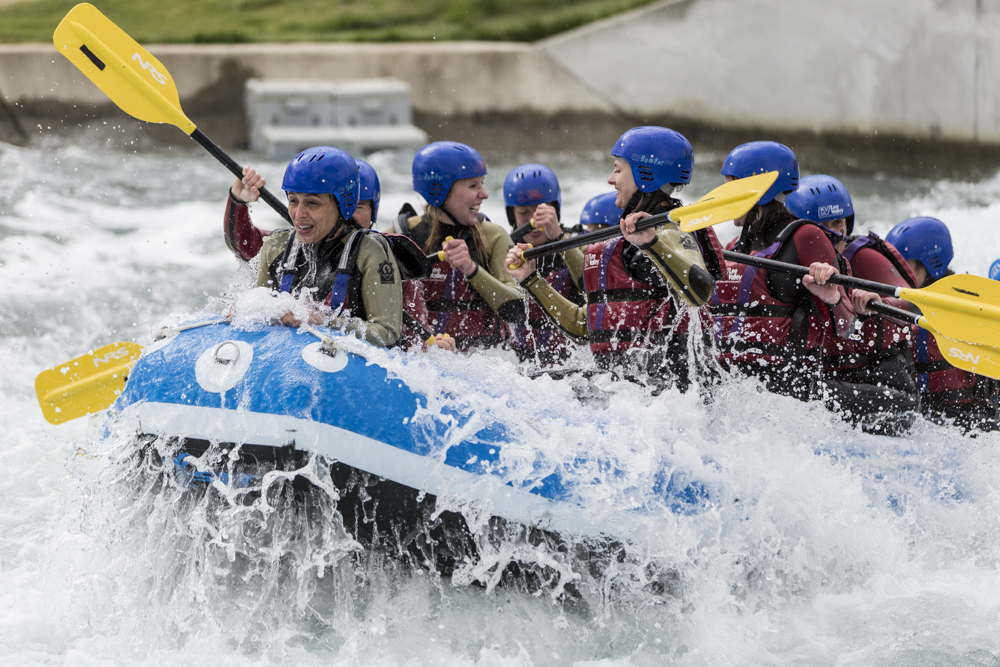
(231, 21)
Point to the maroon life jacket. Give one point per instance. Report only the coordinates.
(443, 301)
(752, 327)
(879, 338)
(622, 312)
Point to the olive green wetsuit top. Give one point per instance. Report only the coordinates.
(672, 252)
(381, 294)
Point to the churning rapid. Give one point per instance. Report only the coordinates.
(815, 544)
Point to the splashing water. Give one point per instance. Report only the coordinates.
(818, 544)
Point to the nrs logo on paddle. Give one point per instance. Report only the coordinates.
(110, 356)
(148, 65)
(964, 356)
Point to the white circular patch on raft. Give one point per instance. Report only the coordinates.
(222, 366)
(314, 355)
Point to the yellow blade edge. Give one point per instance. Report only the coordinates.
(726, 202)
(958, 313)
(87, 384)
(126, 72)
(979, 359)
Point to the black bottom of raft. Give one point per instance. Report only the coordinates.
(386, 515)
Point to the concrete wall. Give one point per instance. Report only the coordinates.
(447, 78)
(911, 68)
(907, 67)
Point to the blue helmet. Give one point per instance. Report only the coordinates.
(821, 198)
(759, 157)
(437, 166)
(531, 184)
(324, 169)
(926, 240)
(601, 210)
(657, 156)
(371, 189)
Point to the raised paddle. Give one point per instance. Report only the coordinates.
(961, 308)
(134, 79)
(726, 202)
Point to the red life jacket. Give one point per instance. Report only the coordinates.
(623, 313)
(445, 302)
(754, 328)
(879, 338)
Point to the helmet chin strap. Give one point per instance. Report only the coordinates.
(834, 236)
(633, 202)
(451, 216)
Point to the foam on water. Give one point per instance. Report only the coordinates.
(819, 545)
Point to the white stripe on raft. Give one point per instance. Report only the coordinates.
(453, 486)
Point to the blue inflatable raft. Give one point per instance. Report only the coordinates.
(279, 398)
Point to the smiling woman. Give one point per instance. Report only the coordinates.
(468, 295)
(342, 276)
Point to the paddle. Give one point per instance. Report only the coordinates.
(974, 358)
(134, 80)
(92, 382)
(963, 309)
(726, 202)
(87, 384)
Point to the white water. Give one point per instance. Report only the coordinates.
(823, 545)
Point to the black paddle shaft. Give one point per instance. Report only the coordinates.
(893, 312)
(237, 171)
(795, 269)
(585, 239)
(594, 237)
(519, 233)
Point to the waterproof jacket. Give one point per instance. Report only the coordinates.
(366, 301)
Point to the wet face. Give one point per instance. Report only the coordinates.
(522, 216)
(463, 202)
(363, 214)
(621, 177)
(313, 215)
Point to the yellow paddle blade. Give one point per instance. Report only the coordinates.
(86, 384)
(724, 203)
(978, 359)
(127, 73)
(961, 307)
